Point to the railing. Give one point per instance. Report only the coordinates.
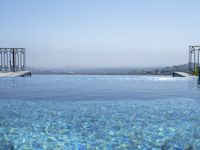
(12, 59)
(193, 57)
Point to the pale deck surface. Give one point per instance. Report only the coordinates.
(15, 74)
(181, 74)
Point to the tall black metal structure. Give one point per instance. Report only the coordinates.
(193, 57)
(12, 59)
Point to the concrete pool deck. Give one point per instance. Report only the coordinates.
(180, 74)
(15, 74)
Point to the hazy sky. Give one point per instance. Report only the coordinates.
(101, 33)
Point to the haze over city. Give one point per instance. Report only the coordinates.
(101, 33)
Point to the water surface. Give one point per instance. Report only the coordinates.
(99, 112)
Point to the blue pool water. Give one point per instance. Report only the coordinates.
(99, 112)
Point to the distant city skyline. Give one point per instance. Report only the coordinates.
(112, 33)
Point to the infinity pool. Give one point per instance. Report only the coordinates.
(99, 112)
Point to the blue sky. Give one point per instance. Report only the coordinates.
(101, 33)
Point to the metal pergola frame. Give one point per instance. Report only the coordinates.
(12, 59)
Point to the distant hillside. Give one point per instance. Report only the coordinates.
(169, 69)
(111, 71)
(182, 68)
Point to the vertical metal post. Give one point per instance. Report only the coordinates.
(194, 59)
(10, 53)
(189, 62)
(18, 59)
(191, 51)
(4, 60)
(13, 55)
(24, 60)
(198, 57)
(1, 55)
(1, 63)
(7, 53)
(199, 73)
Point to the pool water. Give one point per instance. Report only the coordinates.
(99, 112)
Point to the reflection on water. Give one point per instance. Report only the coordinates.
(198, 82)
(99, 112)
(192, 82)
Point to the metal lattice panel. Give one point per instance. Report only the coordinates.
(12, 59)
